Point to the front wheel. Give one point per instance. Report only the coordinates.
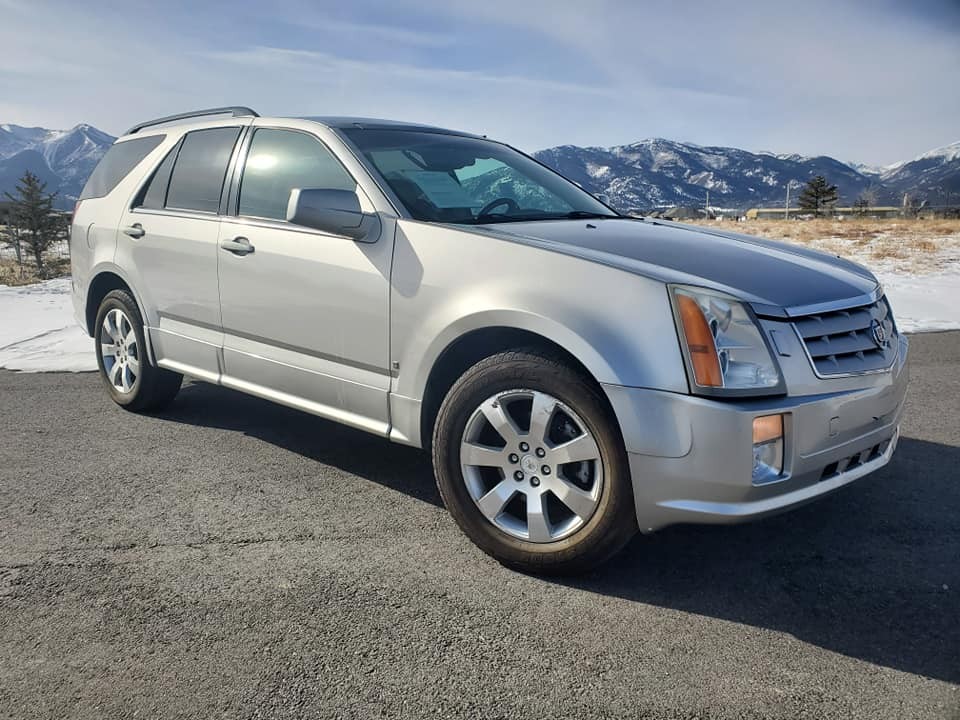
(531, 465)
(132, 381)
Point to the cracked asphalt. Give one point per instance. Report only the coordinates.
(231, 558)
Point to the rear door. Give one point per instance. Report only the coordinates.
(170, 238)
(305, 313)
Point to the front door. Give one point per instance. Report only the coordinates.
(305, 314)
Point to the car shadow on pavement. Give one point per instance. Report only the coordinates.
(398, 467)
(871, 572)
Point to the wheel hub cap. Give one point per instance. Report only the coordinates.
(531, 465)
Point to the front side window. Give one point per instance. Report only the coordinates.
(201, 165)
(279, 161)
(452, 178)
(120, 159)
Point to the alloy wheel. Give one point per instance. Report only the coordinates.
(531, 465)
(119, 351)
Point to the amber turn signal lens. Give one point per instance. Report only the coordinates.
(767, 428)
(700, 345)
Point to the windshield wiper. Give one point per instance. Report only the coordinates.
(587, 215)
(574, 215)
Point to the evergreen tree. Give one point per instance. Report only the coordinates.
(818, 196)
(9, 235)
(33, 221)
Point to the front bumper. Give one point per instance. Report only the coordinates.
(691, 457)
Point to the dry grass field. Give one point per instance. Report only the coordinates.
(13, 275)
(899, 246)
(913, 246)
(56, 259)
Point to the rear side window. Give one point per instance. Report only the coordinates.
(120, 159)
(198, 172)
(278, 162)
(154, 193)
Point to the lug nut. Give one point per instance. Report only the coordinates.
(514, 458)
(535, 481)
(524, 447)
(541, 452)
(518, 475)
(545, 469)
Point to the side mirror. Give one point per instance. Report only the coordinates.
(333, 211)
(603, 197)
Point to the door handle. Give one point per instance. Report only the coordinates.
(238, 246)
(135, 231)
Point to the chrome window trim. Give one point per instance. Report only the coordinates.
(272, 224)
(174, 212)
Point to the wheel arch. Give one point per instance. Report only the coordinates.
(472, 346)
(104, 281)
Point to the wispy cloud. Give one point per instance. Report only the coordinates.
(375, 33)
(862, 80)
(264, 58)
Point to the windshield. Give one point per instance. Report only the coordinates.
(456, 179)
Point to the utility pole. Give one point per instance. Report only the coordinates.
(786, 207)
(707, 206)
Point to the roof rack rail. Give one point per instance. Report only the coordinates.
(234, 110)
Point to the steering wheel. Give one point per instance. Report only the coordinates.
(509, 202)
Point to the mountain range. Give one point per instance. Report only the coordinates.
(649, 174)
(657, 173)
(63, 159)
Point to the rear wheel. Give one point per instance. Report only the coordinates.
(132, 381)
(531, 465)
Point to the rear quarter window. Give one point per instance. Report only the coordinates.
(116, 164)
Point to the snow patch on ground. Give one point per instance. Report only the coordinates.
(924, 303)
(38, 332)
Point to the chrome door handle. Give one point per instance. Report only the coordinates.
(238, 246)
(135, 231)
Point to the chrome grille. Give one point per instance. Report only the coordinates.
(844, 342)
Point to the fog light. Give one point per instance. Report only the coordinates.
(767, 448)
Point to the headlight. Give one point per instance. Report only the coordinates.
(724, 348)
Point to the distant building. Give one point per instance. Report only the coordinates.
(681, 213)
(886, 211)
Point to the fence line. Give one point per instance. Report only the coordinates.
(59, 250)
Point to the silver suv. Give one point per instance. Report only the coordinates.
(577, 374)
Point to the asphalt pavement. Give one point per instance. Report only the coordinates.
(231, 558)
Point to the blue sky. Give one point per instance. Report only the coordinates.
(868, 81)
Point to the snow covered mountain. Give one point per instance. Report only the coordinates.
(933, 176)
(63, 159)
(643, 175)
(657, 173)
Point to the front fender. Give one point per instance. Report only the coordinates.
(447, 283)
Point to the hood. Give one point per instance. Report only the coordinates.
(762, 272)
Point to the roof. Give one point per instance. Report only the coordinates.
(196, 117)
(346, 122)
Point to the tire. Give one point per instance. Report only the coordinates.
(577, 422)
(125, 369)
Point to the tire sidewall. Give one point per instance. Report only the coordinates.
(119, 300)
(614, 515)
